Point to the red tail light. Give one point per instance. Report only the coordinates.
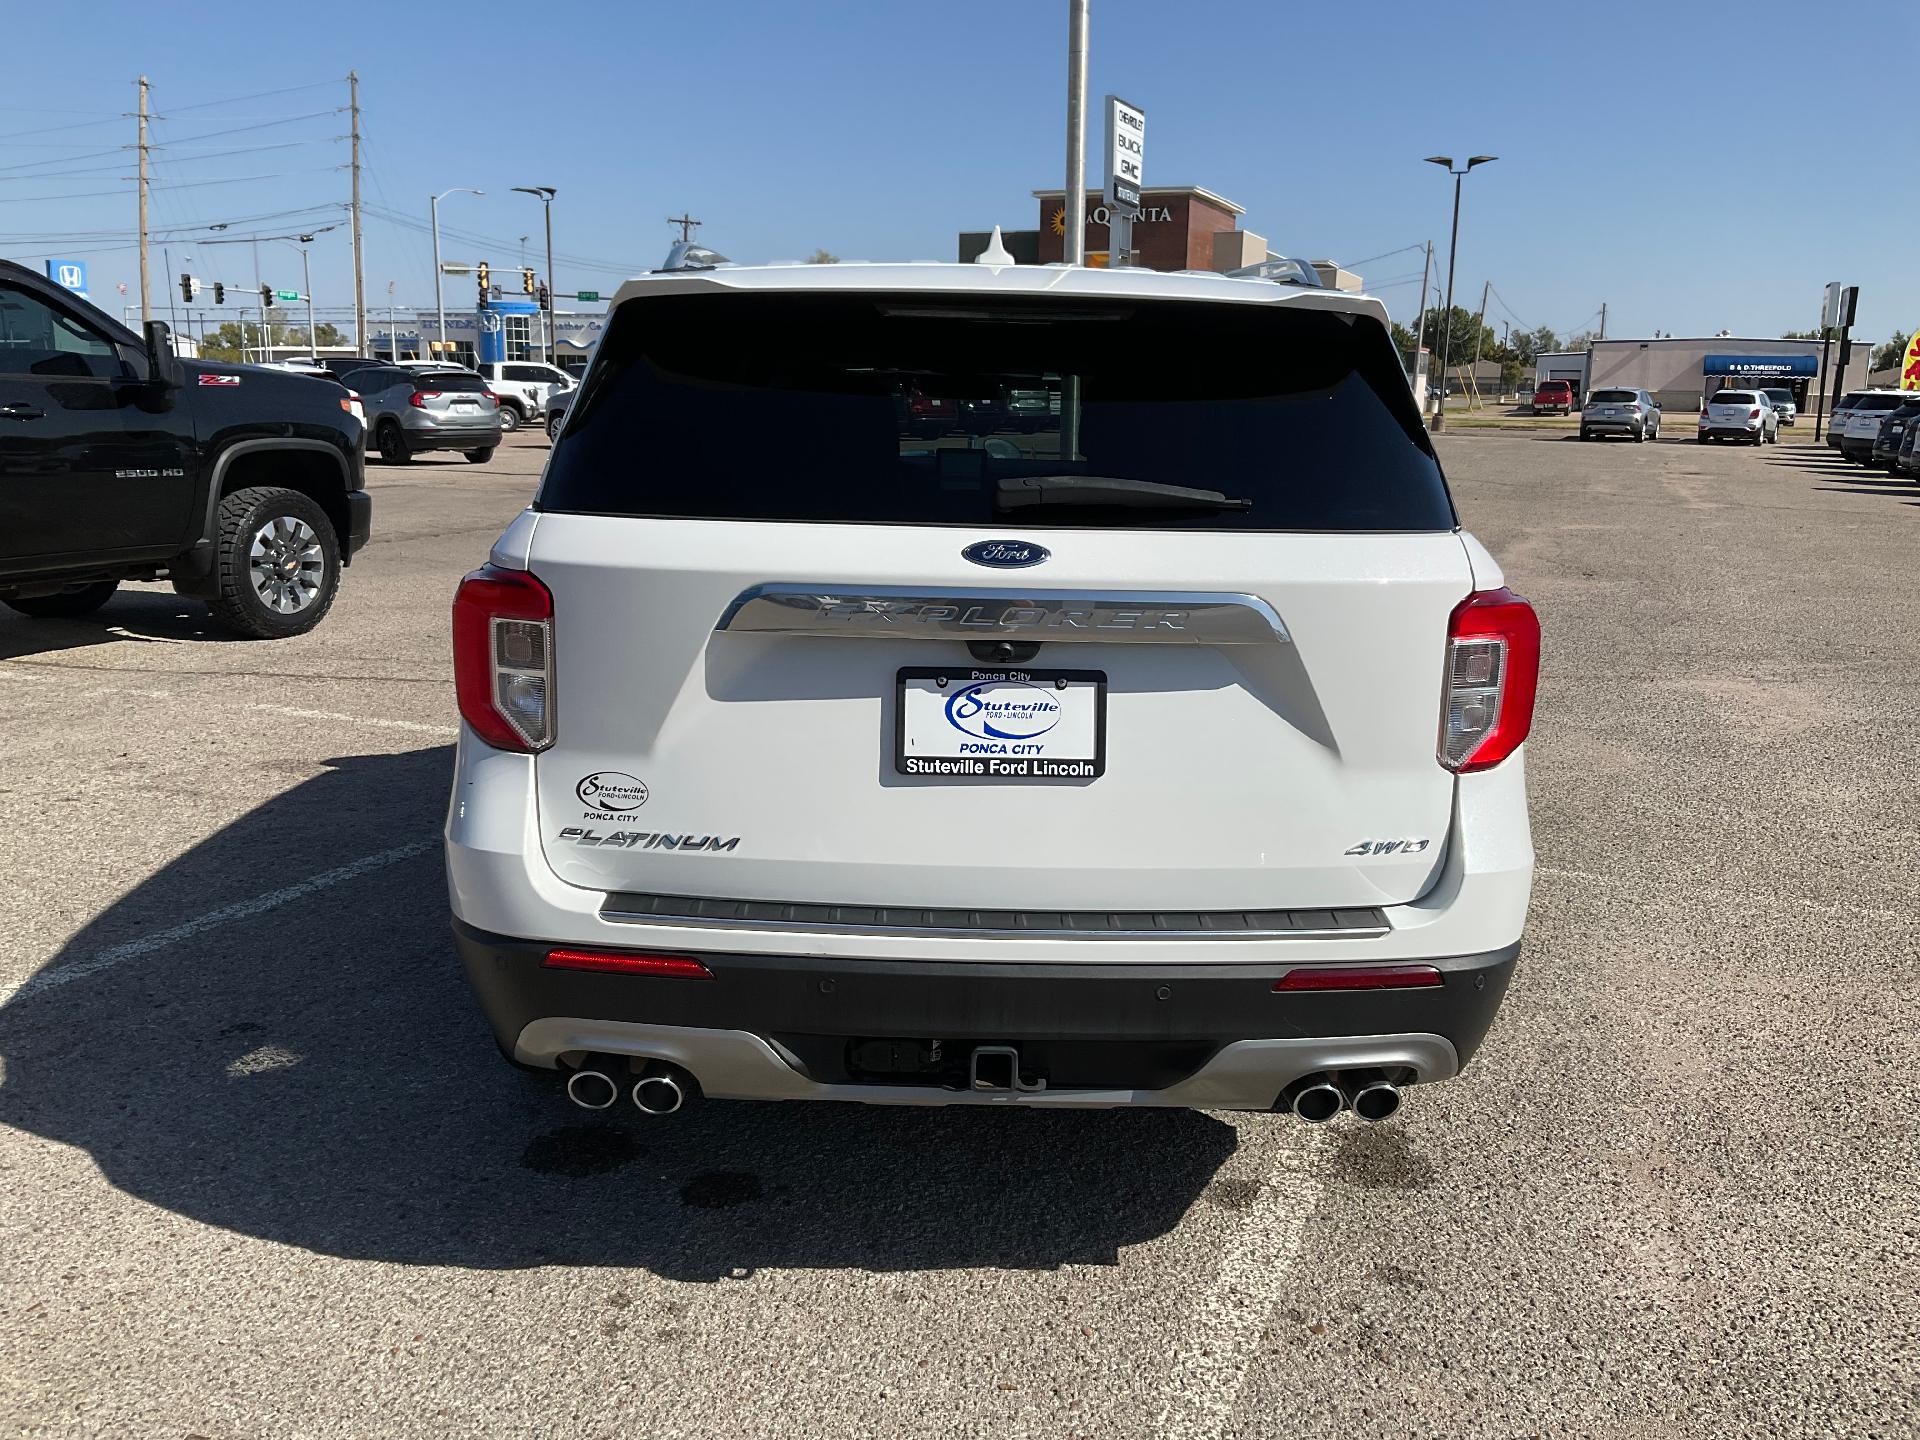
(622, 962)
(1359, 977)
(1493, 668)
(493, 397)
(1753, 414)
(419, 398)
(503, 658)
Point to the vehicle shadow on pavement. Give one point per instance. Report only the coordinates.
(315, 1073)
(137, 615)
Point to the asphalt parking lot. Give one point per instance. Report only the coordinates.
(264, 1173)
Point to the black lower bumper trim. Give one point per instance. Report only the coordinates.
(1143, 1018)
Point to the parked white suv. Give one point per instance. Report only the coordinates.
(1166, 754)
(523, 387)
(1861, 426)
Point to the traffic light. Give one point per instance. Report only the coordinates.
(483, 274)
(219, 293)
(186, 287)
(266, 297)
(546, 297)
(526, 281)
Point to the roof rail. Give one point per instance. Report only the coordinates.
(688, 255)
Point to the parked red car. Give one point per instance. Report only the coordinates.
(1553, 397)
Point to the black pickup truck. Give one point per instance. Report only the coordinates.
(243, 486)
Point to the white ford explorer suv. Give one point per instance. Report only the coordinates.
(1165, 753)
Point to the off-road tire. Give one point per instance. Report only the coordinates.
(69, 604)
(236, 604)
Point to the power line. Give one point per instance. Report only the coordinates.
(258, 95)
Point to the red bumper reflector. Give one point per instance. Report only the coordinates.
(619, 962)
(1359, 977)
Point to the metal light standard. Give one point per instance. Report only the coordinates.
(439, 301)
(1445, 162)
(544, 194)
(306, 284)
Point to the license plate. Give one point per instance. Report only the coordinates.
(466, 404)
(965, 722)
(1609, 414)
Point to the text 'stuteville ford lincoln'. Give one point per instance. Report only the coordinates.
(1155, 741)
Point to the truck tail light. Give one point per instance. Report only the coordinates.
(1493, 668)
(503, 658)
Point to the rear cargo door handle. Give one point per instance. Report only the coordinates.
(21, 412)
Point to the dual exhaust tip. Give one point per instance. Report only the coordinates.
(1316, 1099)
(660, 1088)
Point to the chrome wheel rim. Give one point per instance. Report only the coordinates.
(286, 564)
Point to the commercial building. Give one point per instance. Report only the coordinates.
(1180, 227)
(1681, 372)
(504, 330)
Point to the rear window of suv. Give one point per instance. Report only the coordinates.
(1735, 397)
(1612, 397)
(934, 409)
(450, 384)
(1872, 403)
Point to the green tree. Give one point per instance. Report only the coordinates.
(823, 257)
(1886, 356)
(1454, 331)
(1803, 335)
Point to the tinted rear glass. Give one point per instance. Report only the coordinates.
(448, 384)
(1736, 397)
(1613, 397)
(1556, 385)
(926, 409)
(1877, 402)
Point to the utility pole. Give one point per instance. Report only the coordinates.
(1603, 319)
(359, 260)
(146, 288)
(1480, 320)
(686, 223)
(1420, 325)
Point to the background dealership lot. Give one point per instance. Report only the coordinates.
(265, 1174)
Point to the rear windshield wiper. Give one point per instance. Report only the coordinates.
(1111, 491)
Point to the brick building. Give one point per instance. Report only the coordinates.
(1181, 227)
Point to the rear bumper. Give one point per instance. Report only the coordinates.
(782, 1027)
(1610, 427)
(1729, 432)
(766, 1027)
(452, 437)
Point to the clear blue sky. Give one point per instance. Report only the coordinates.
(1680, 162)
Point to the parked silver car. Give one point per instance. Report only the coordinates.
(1837, 421)
(1784, 405)
(410, 410)
(1739, 415)
(1621, 412)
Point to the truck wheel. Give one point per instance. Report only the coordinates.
(510, 418)
(277, 564)
(68, 604)
(393, 445)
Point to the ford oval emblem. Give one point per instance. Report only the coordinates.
(1005, 554)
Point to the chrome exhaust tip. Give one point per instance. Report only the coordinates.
(662, 1089)
(592, 1089)
(1315, 1099)
(1373, 1097)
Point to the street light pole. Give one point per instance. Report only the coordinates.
(544, 194)
(1445, 162)
(439, 300)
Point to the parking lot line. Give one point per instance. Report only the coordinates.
(299, 714)
(239, 910)
(1221, 1333)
